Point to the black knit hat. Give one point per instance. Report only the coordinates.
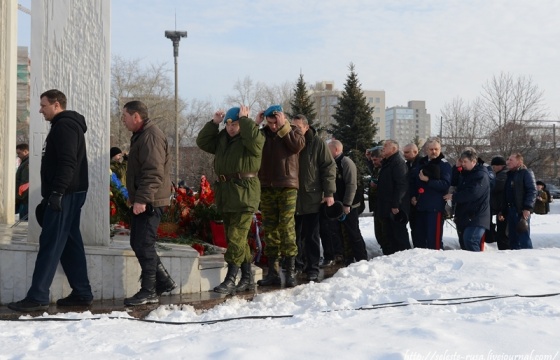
(498, 160)
(115, 151)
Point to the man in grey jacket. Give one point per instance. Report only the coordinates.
(346, 192)
(317, 171)
(149, 189)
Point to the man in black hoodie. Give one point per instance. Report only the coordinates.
(64, 185)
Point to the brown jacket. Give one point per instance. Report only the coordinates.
(147, 172)
(280, 160)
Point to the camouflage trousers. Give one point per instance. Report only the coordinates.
(278, 207)
(237, 226)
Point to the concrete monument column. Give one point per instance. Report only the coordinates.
(70, 51)
(8, 93)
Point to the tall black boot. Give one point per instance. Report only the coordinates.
(147, 293)
(246, 282)
(164, 282)
(291, 271)
(272, 277)
(228, 285)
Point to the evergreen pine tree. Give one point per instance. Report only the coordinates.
(302, 103)
(354, 126)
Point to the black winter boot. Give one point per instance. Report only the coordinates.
(246, 282)
(228, 285)
(291, 271)
(147, 293)
(164, 282)
(272, 277)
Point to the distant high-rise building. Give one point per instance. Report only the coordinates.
(405, 124)
(23, 95)
(326, 98)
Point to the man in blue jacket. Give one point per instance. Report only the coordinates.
(472, 199)
(520, 193)
(430, 182)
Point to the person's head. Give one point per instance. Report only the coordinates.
(469, 158)
(514, 161)
(335, 148)
(116, 154)
(301, 122)
(540, 185)
(376, 155)
(433, 148)
(52, 103)
(410, 151)
(231, 119)
(390, 147)
(498, 163)
(272, 115)
(134, 114)
(22, 151)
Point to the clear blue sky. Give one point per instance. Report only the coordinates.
(433, 50)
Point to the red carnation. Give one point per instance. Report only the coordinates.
(459, 168)
(198, 247)
(421, 191)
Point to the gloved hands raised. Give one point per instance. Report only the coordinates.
(55, 201)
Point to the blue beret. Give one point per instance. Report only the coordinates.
(272, 110)
(232, 115)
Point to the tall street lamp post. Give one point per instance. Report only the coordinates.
(175, 37)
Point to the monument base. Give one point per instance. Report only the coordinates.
(113, 271)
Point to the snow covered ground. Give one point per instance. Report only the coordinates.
(416, 305)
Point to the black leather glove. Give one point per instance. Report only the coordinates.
(55, 201)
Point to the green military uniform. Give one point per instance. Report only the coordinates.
(238, 189)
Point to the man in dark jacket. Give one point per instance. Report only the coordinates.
(392, 199)
(238, 151)
(317, 171)
(346, 192)
(410, 153)
(279, 183)
(498, 164)
(22, 181)
(520, 193)
(374, 158)
(472, 199)
(64, 185)
(149, 189)
(431, 181)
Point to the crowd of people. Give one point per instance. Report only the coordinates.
(308, 191)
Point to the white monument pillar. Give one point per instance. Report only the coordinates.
(8, 93)
(70, 51)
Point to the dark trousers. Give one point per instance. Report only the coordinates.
(429, 228)
(381, 236)
(412, 221)
(307, 232)
(396, 236)
(331, 240)
(352, 236)
(518, 240)
(500, 235)
(61, 240)
(143, 237)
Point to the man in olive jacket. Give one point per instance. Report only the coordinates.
(238, 152)
(317, 173)
(279, 182)
(149, 190)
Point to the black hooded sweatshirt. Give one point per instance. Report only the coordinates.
(64, 166)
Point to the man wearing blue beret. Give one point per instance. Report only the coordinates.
(279, 182)
(238, 151)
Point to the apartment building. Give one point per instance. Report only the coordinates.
(326, 98)
(404, 124)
